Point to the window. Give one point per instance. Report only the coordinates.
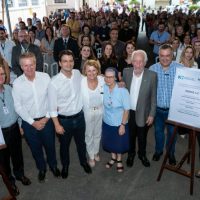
(23, 3)
(59, 1)
(34, 2)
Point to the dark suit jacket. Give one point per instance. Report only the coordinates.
(147, 98)
(59, 46)
(16, 52)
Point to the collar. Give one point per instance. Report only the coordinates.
(67, 38)
(65, 77)
(140, 76)
(26, 79)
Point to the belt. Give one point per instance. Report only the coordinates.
(163, 109)
(38, 119)
(71, 116)
(95, 108)
(10, 127)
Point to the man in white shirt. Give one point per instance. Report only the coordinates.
(66, 105)
(31, 103)
(142, 85)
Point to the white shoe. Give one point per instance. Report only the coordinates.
(97, 158)
(91, 162)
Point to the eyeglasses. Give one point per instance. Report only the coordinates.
(109, 77)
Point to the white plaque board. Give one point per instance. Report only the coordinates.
(185, 101)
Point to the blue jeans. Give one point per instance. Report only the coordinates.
(37, 140)
(161, 117)
(74, 127)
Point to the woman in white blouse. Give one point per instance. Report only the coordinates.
(92, 94)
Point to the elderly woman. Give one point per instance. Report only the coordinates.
(116, 103)
(92, 94)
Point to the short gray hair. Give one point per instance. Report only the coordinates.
(140, 52)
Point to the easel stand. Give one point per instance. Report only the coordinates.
(5, 179)
(189, 154)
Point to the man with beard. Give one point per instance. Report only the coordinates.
(23, 47)
(126, 34)
(158, 38)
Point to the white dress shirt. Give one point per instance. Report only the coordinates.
(31, 97)
(134, 91)
(65, 95)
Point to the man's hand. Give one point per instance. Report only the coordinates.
(149, 121)
(44, 120)
(38, 125)
(59, 129)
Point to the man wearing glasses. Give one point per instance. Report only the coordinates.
(24, 46)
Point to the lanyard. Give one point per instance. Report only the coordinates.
(24, 50)
(3, 46)
(3, 99)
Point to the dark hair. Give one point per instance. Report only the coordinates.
(67, 53)
(126, 44)
(48, 27)
(113, 57)
(31, 30)
(83, 36)
(166, 46)
(92, 56)
(85, 25)
(113, 29)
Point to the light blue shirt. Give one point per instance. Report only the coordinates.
(165, 83)
(6, 100)
(156, 36)
(115, 103)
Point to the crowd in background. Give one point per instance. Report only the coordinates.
(91, 57)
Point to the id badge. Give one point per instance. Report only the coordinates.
(5, 110)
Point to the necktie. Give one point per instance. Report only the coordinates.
(65, 43)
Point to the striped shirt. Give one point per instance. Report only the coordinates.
(165, 83)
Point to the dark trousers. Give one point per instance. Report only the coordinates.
(13, 151)
(140, 133)
(74, 127)
(161, 117)
(37, 140)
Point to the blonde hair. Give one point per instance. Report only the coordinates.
(93, 63)
(182, 58)
(27, 55)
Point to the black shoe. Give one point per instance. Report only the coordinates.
(15, 189)
(41, 176)
(24, 180)
(144, 160)
(130, 160)
(64, 172)
(87, 168)
(156, 156)
(55, 171)
(172, 160)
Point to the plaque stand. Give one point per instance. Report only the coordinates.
(189, 154)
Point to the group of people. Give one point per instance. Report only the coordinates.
(102, 92)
